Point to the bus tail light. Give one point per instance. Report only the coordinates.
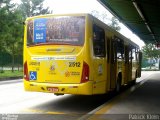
(85, 73)
(26, 76)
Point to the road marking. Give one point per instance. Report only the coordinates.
(33, 111)
(57, 113)
(45, 112)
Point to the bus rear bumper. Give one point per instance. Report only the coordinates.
(79, 89)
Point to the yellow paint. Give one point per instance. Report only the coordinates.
(33, 111)
(54, 69)
(42, 111)
(55, 113)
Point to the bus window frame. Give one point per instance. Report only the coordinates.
(32, 44)
(101, 41)
(120, 48)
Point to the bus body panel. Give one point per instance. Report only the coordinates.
(76, 69)
(82, 89)
(54, 68)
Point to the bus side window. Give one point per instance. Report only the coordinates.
(130, 53)
(137, 54)
(134, 53)
(99, 41)
(120, 49)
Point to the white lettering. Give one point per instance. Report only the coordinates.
(153, 117)
(39, 35)
(137, 116)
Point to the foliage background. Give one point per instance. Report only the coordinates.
(12, 17)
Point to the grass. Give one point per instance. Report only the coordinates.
(9, 73)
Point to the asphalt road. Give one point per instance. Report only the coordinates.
(40, 106)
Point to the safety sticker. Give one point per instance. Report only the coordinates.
(33, 75)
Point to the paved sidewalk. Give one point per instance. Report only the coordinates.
(141, 101)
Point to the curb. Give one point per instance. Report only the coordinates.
(10, 78)
(88, 115)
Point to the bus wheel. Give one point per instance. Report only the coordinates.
(118, 84)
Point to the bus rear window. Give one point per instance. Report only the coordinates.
(56, 30)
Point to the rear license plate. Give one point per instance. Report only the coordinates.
(53, 89)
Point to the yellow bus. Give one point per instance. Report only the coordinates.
(77, 54)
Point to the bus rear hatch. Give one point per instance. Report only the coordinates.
(55, 50)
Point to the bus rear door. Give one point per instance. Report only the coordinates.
(99, 61)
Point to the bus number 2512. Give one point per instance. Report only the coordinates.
(74, 64)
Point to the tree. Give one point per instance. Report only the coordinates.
(17, 41)
(103, 17)
(14, 35)
(150, 52)
(10, 32)
(3, 28)
(115, 24)
(95, 13)
(3, 22)
(5, 8)
(33, 7)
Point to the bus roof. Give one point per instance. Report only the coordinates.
(50, 15)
